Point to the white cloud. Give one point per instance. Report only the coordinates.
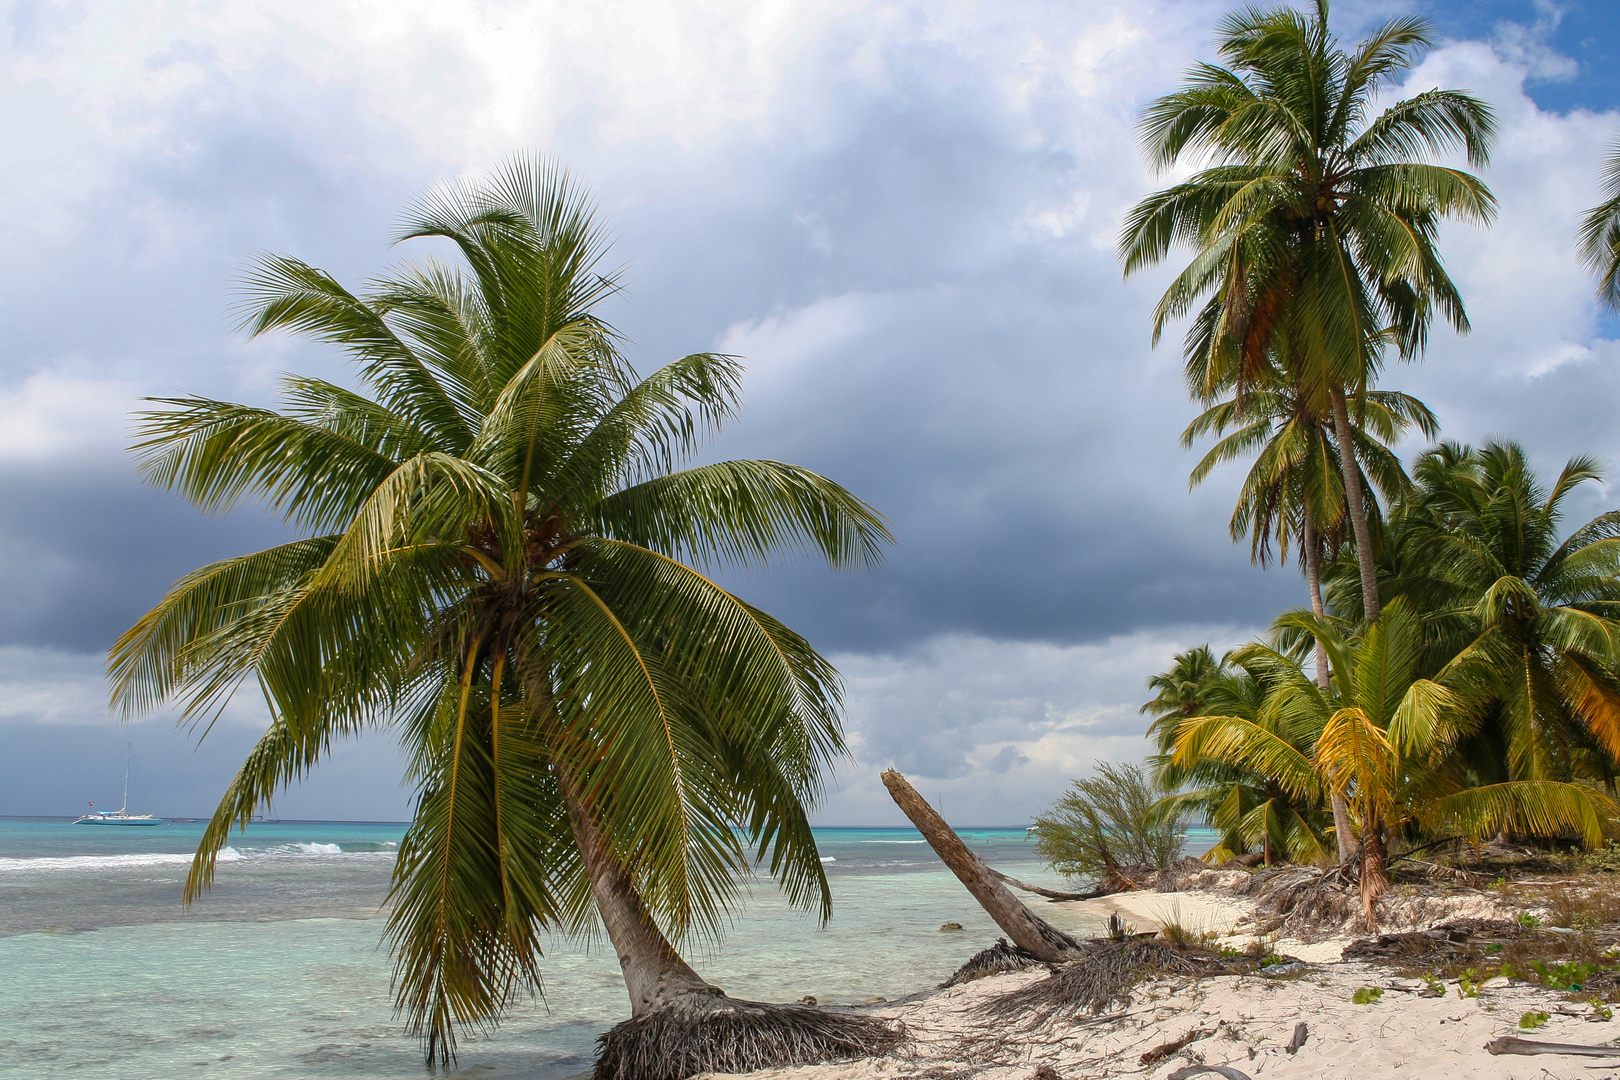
(996, 728)
(54, 417)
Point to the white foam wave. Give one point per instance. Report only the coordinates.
(89, 863)
(828, 859)
(109, 862)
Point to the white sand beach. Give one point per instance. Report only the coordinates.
(1242, 1022)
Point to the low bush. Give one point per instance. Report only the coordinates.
(1104, 822)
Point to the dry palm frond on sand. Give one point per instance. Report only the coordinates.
(1103, 977)
(998, 958)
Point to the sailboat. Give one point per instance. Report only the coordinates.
(121, 816)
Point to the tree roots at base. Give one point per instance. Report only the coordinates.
(719, 1034)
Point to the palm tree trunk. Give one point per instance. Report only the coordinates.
(1342, 833)
(1356, 498)
(1374, 871)
(654, 973)
(1028, 931)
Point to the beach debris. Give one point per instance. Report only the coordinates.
(809, 999)
(1102, 976)
(728, 1035)
(1114, 885)
(1164, 1050)
(998, 958)
(1046, 1072)
(1027, 930)
(876, 1000)
(1512, 1044)
(951, 926)
(1301, 1033)
(1219, 1070)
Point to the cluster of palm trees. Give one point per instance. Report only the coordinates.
(1465, 652)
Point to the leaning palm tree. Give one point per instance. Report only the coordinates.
(502, 563)
(1384, 737)
(1313, 230)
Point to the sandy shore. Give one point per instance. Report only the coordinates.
(1244, 1022)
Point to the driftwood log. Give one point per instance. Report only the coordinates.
(1108, 889)
(1512, 1044)
(1027, 930)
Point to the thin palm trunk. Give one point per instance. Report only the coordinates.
(654, 973)
(1354, 497)
(1342, 833)
(1374, 871)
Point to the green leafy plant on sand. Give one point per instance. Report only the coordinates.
(1532, 1020)
(498, 562)
(1568, 975)
(1367, 995)
(1524, 918)
(1106, 821)
(1468, 983)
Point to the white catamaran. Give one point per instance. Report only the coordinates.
(121, 816)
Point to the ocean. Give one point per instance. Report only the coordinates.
(279, 971)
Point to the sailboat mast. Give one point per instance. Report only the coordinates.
(125, 807)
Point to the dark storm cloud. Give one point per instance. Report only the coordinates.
(83, 553)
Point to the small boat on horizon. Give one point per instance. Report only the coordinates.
(121, 816)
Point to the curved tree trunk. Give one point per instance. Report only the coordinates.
(1027, 930)
(1356, 498)
(654, 973)
(1342, 832)
(680, 1025)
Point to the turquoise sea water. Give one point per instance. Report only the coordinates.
(279, 971)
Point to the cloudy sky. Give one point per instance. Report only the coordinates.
(901, 213)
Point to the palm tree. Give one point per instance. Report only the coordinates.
(1599, 235)
(501, 563)
(1294, 492)
(1182, 689)
(1313, 231)
(1383, 737)
(1250, 809)
(1539, 613)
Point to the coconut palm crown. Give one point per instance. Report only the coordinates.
(1312, 227)
(502, 562)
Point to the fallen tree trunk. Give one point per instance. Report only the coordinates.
(1027, 930)
(1108, 888)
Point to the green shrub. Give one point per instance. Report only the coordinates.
(1532, 1020)
(1367, 995)
(1107, 819)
